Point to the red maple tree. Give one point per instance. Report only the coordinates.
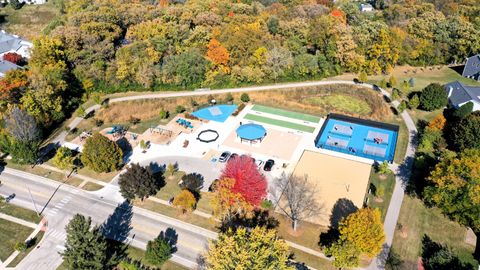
(12, 57)
(249, 182)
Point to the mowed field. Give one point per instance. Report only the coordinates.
(29, 21)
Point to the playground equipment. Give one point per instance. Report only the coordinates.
(161, 131)
(184, 123)
(207, 136)
(117, 131)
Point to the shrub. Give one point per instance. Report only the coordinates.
(185, 201)
(433, 97)
(362, 77)
(245, 97)
(64, 158)
(20, 246)
(402, 106)
(382, 168)
(414, 102)
(98, 122)
(180, 109)
(158, 251)
(380, 192)
(396, 94)
(143, 145)
(163, 114)
(134, 120)
(16, 4)
(229, 97)
(267, 204)
(101, 154)
(81, 112)
(392, 81)
(438, 123)
(464, 110)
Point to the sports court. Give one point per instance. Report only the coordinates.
(335, 178)
(285, 113)
(218, 113)
(358, 137)
(280, 123)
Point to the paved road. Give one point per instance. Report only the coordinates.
(402, 171)
(58, 203)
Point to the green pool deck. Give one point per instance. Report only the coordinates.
(280, 123)
(285, 113)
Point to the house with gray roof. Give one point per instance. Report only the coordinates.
(13, 43)
(6, 66)
(460, 94)
(472, 68)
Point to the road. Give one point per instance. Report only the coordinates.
(58, 203)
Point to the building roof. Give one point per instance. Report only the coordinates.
(9, 42)
(462, 93)
(472, 67)
(6, 66)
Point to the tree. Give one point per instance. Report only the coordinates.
(437, 123)
(20, 246)
(226, 203)
(229, 97)
(278, 61)
(466, 132)
(363, 77)
(248, 181)
(382, 168)
(455, 182)
(414, 102)
(22, 126)
(363, 229)
(245, 98)
(392, 81)
(433, 97)
(101, 154)
(138, 182)
(296, 198)
(158, 251)
(13, 57)
(192, 181)
(258, 248)
(185, 201)
(81, 112)
(16, 4)
(345, 254)
(185, 69)
(402, 106)
(180, 109)
(64, 158)
(163, 114)
(464, 110)
(217, 54)
(85, 248)
(171, 169)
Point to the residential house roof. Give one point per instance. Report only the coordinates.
(6, 66)
(472, 67)
(462, 93)
(9, 42)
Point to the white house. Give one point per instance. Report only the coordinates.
(460, 94)
(366, 8)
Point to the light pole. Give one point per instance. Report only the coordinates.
(33, 202)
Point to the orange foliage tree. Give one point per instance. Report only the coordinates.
(12, 85)
(437, 123)
(217, 54)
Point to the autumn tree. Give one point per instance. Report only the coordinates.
(296, 197)
(64, 158)
(217, 54)
(437, 123)
(226, 203)
(258, 248)
(101, 154)
(345, 254)
(249, 182)
(12, 87)
(138, 182)
(185, 201)
(13, 57)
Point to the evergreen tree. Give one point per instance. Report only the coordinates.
(158, 251)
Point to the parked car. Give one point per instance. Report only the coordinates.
(10, 197)
(269, 165)
(232, 156)
(259, 163)
(224, 156)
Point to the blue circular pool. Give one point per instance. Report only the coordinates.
(251, 132)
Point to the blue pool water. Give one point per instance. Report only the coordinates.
(218, 113)
(251, 131)
(358, 140)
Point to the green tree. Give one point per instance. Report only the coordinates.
(382, 168)
(81, 112)
(414, 102)
(138, 182)
(192, 181)
(85, 248)
(185, 69)
(171, 169)
(158, 251)
(185, 201)
(345, 254)
(258, 248)
(64, 158)
(363, 229)
(101, 154)
(465, 133)
(402, 106)
(245, 97)
(229, 97)
(433, 97)
(463, 111)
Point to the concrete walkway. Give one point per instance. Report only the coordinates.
(402, 171)
(18, 221)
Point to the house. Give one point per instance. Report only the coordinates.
(459, 94)
(366, 8)
(6, 66)
(30, 2)
(472, 68)
(13, 43)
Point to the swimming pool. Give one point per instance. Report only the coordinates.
(358, 137)
(218, 113)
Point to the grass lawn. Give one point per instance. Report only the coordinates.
(402, 140)
(311, 260)
(56, 176)
(385, 182)
(171, 188)
(90, 186)
(22, 255)
(11, 233)
(418, 115)
(417, 220)
(19, 212)
(104, 177)
(279, 123)
(308, 233)
(342, 102)
(29, 21)
(289, 114)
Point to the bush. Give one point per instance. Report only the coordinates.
(81, 112)
(380, 192)
(433, 97)
(20, 246)
(414, 102)
(362, 77)
(16, 4)
(266, 204)
(402, 106)
(382, 168)
(245, 97)
(229, 97)
(163, 114)
(158, 251)
(396, 94)
(98, 122)
(392, 81)
(463, 111)
(185, 201)
(101, 154)
(134, 120)
(64, 158)
(180, 109)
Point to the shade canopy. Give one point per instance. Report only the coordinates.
(251, 131)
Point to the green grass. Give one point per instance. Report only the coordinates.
(90, 186)
(52, 175)
(171, 188)
(342, 102)
(22, 255)
(11, 233)
(285, 113)
(19, 212)
(311, 260)
(417, 220)
(279, 123)
(402, 141)
(307, 233)
(388, 184)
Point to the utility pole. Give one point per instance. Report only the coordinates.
(33, 202)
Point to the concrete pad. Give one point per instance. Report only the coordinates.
(336, 178)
